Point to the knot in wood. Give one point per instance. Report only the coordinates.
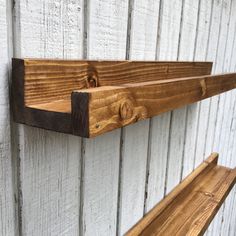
(126, 110)
(203, 86)
(92, 76)
(209, 194)
(92, 82)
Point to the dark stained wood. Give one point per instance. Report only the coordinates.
(56, 121)
(17, 90)
(80, 114)
(111, 107)
(190, 207)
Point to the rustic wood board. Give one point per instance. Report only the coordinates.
(96, 110)
(99, 110)
(46, 80)
(189, 208)
(41, 88)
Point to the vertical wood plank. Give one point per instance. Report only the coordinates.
(107, 29)
(186, 49)
(49, 162)
(219, 65)
(167, 49)
(224, 100)
(158, 160)
(8, 222)
(232, 225)
(215, 28)
(229, 216)
(221, 57)
(222, 54)
(230, 213)
(228, 129)
(205, 106)
(143, 38)
(229, 225)
(193, 118)
(211, 55)
(100, 190)
(229, 99)
(142, 46)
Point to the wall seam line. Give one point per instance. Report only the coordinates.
(122, 132)
(14, 128)
(151, 119)
(223, 70)
(84, 45)
(217, 109)
(187, 108)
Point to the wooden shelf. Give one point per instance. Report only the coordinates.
(89, 98)
(191, 206)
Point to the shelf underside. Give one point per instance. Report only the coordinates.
(89, 98)
(191, 206)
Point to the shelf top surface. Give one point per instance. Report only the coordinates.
(189, 210)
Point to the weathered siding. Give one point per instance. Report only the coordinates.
(101, 186)
(49, 162)
(8, 223)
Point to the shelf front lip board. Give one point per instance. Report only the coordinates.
(179, 213)
(99, 110)
(38, 82)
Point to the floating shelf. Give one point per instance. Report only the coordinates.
(191, 206)
(89, 98)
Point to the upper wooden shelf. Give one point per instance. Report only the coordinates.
(88, 98)
(190, 207)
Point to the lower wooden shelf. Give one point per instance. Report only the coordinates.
(190, 207)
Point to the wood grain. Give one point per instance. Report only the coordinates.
(189, 208)
(42, 88)
(46, 80)
(111, 107)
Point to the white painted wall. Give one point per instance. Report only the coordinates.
(8, 221)
(58, 184)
